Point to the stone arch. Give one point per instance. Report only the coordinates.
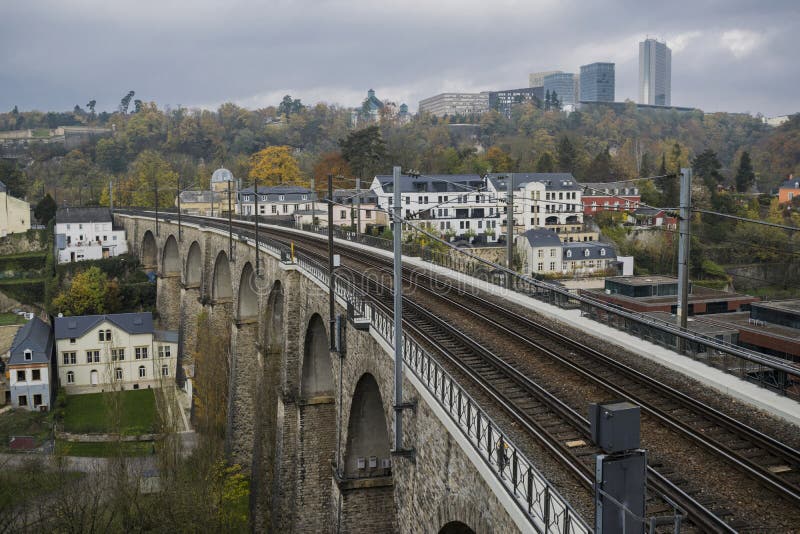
(273, 325)
(221, 285)
(317, 377)
(193, 274)
(456, 527)
(149, 251)
(367, 453)
(247, 301)
(170, 259)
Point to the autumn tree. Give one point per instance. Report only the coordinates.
(275, 165)
(600, 168)
(150, 177)
(89, 293)
(498, 160)
(332, 163)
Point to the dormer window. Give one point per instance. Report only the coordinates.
(602, 252)
(28, 355)
(586, 252)
(281, 197)
(569, 253)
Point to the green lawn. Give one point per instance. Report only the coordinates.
(134, 413)
(24, 423)
(11, 318)
(19, 485)
(105, 449)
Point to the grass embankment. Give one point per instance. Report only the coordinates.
(104, 449)
(7, 319)
(126, 412)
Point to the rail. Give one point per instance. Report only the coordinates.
(534, 495)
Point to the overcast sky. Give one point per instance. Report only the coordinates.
(727, 55)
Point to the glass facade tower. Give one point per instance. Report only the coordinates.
(655, 73)
(563, 83)
(597, 82)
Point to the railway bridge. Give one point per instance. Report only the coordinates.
(314, 426)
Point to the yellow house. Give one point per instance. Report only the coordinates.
(15, 214)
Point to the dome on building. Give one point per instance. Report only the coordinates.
(221, 175)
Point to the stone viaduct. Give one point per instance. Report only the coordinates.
(318, 453)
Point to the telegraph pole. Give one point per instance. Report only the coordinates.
(683, 250)
(397, 228)
(111, 195)
(358, 206)
(331, 267)
(180, 227)
(255, 189)
(230, 224)
(156, 195)
(510, 230)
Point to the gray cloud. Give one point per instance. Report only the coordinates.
(727, 55)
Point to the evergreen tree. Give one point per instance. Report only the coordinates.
(745, 176)
(555, 103)
(600, 168)
(567, 155)
(45, 210)
(545, 163)
(706, 165)
(646, 166)
(547, 100)
(364, 150)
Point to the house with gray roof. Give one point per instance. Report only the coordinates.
(114, 352)
(540, 251)
(587, 258)
(31, 367)
(278, 200)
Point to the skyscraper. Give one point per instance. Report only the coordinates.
(563, 84)
(597, 82)
(655, 73)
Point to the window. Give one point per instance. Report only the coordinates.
(164, 351)
(285, 208)
(540, 253)
(569, 253)
(69, 358)
(92, 356)
(23, 400)
(164, 370)
(408, 201)
(141, 353)
(281, 198)
(118, 354)
(36, 374)
(274, 209)
(552, 253)
(70, 377)
(28, 355)
(303, 197)
(104, 335)
(541, 267)
(586, 252)
(37, 399)
(20, 376)
(118, 373)
(343, 214)
(602, 252)
(72, 341)
(142, 371)
(367, 214)
(552, 266)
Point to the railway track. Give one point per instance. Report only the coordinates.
(552, 421)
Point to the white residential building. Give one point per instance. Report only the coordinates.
(114, 352)
(87, 234)
(455, 205)
(543, 253)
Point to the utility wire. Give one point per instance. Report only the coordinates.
(744, 219)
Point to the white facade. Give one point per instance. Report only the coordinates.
(29, 386)
(459, 211)
(107, 357)
(267, 207)
(455, 104)
(89, 241)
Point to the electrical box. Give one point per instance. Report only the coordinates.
(337, 260)
(615, 426)
(373, 462)
(341, 334)
(361, 463)
(386, 463)
(620, 480)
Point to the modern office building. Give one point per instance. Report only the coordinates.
(655, 73)
(455, 104)
(597, 82)
(563, 84)
(503, 101)
(536, 79)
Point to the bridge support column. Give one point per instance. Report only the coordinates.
(265, 486)
(365, 504)
(168, 300)
(244, 377)
(317, 434)
(190, 309)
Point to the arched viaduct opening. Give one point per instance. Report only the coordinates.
(247, 303)
(456, 527)
(149, 251)
(317, 373)
(171, 260)
(194, 266)
(367, 433)
(221, 286)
